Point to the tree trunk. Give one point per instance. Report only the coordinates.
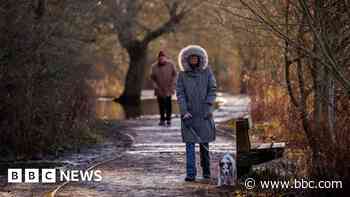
(135, 75)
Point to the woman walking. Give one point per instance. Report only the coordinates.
(196, 94)
(163, 76)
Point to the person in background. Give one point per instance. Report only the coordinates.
(196, 94)
(163, 76)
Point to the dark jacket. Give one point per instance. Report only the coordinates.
(163, 78)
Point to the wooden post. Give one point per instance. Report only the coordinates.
(243, 146)
(242, 136)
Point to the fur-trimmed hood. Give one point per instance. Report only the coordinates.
(186, 52)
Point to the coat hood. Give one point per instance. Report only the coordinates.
(186, 52)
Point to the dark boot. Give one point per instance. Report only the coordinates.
(161, 123)
(190, 179)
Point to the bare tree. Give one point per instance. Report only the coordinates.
(316, 36)
(135, 36)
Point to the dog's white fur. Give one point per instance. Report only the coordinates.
(227, 171)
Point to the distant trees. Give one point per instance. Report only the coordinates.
(255, 48)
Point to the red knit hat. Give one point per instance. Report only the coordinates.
(161, 53)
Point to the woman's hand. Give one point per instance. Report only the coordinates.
(187, 116)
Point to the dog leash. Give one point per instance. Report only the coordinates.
(200, 139)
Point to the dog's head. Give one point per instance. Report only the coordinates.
(227, 169)
(226, 166)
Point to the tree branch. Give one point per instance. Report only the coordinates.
(167, 27)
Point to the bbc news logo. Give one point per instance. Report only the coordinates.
(16, 175)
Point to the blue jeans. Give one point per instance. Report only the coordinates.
(191, 170)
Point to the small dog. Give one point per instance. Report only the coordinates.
(227, 171)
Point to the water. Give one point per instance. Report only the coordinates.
(107, 109)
